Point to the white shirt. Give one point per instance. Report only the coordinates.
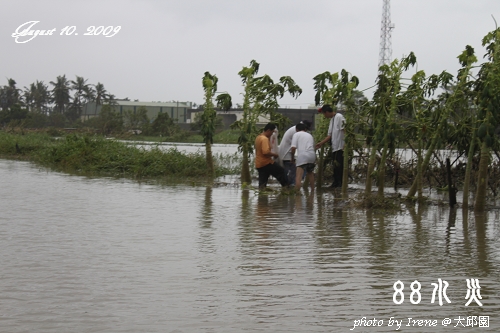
(286, 144)
(274, 141)
(336, 131)
(304, 143)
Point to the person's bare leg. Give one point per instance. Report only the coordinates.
(310, 177)
(298, 178)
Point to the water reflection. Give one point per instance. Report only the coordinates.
(206, 209)
(451, 230)
(421, 232)
(128, 257)
(380, 240)
(481, 222)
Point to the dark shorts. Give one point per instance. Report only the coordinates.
(274, 170)
(308, 167)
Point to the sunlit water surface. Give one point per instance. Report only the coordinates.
(107, 255)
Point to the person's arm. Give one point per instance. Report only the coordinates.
(293, 148)
(328, 137)
(271, 154)
(266, 149)
(322, 142)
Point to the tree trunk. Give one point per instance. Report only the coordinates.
(381, 171)
(210, 160)
(451, 189)
(345, 173)
(245, 167)
(371, 167)
(425, 164)
(468, 171)
(482, 179)
(419, 171)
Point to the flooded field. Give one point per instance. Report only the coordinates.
(217, 148)
(111, 255)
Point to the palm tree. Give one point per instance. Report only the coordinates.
(28, 96)
(9, 95)
(60, 93)
(79, 86)
(37, 97)
(110, 99)
(41, 96)
(100, 95)
(89, 94)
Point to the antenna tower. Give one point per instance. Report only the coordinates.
(385, 35)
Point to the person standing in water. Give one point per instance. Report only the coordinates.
(284, 151)
(336, 135)
(264, 162)
(303, 144)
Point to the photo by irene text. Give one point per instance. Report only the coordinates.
(398, 323)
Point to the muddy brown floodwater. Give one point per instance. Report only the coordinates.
(105, 255)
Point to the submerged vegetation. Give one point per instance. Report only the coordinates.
(425, 115)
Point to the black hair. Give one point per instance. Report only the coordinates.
(326, 108)
(300, 127)
(307, 123)
(269, 126)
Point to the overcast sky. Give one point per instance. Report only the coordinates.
(164, 47)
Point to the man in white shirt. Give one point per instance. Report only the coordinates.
(303, 144)
(285, 148)
(336, 135)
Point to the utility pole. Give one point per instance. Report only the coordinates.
(385, 35)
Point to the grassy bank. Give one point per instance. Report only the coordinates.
(95, 155)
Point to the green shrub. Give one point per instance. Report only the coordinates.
(99, 156)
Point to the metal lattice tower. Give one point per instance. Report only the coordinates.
(385, 35)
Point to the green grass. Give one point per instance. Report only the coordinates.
(228, 136)
(94, 155)
(23, 146)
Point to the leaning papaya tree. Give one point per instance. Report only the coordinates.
(209, 115)
(260, 99)
(415, 95)
(457, 100)
(488, 116)
(425, 118)
(383, 126)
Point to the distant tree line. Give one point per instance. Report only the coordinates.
(61, 104)
(57, 104)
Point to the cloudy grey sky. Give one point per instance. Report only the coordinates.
(164, 47)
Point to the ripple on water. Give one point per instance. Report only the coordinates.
(82, 254)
